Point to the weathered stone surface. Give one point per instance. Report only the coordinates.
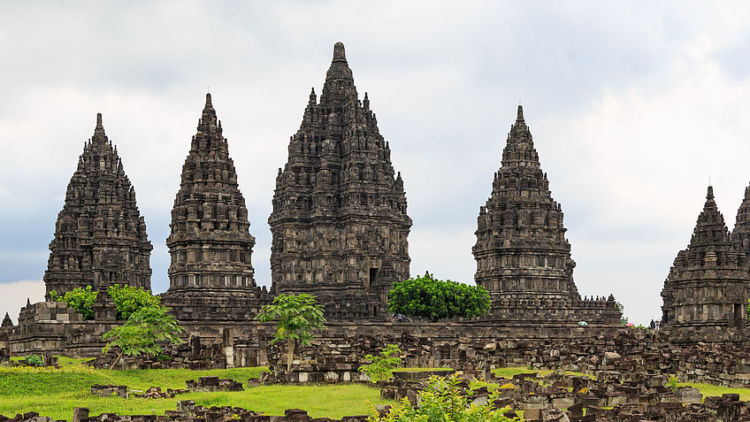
(211, 273)
(707, 286)
(339, 219)
(523, 258)
(100, 236)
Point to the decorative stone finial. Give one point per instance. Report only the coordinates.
(710, 193)
(208, 100)
(339, 54)
(519, 117)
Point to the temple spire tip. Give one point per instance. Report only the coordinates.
(339, 53)
(519, 114)
(208, 100)
(710, 192)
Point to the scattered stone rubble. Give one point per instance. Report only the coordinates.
(213, 384)
(332, 359)
(613, 396)
(187, 411)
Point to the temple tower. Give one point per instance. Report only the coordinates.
(741, 232)
(211, 273)
(523, 258)
(708, 283)
(521, 250)
(339, 221)
(100, 236)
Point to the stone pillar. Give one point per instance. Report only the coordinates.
(228, 344)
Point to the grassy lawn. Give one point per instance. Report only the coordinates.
(55, 392)
(715, 390)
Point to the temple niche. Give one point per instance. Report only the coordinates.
(523, 258)
(707, 286)
(100, 236)
(211, 275)
(339, 221)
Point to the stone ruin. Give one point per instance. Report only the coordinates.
(340, 232)
(211, 277)
(100, 236)
(188, 411)
(708, 283)
(523, 258)
(339, 221)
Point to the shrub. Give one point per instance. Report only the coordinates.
(80, 299)
(382, 366)
(427, 297)
(35, 360)
(443, 400)
(672, 382)
(129, 299)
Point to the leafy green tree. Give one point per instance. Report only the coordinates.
(80, 299)
(129, 299)
(144, 333)
(296, 317)
(382, 366)
(428, 297)
(444, 401)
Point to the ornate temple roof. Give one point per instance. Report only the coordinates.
(210, 237)
(520, 236)
(100, 236)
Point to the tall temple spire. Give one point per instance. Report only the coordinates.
(741, 232)
(521, 246)
(523, 258)
(339, 219)
(708, 282)
(211, 273)
(100, 236)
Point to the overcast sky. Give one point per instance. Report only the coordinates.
(633, 107)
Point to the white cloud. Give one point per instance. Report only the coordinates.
(15, 294)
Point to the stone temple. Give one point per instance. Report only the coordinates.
(708, 283)
(100, 236)
(339, 221)
(211, 271)
(523, 258)
(741, 232)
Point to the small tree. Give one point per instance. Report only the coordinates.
(129, 299)
(80, 299)
(428, 297)
(444, 400)
(296, 317)
(382, 366)
(143, 333)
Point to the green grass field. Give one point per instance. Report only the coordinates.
(55, 392)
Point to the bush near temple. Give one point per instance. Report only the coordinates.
(428, 297)
(129, 299)
(80, 299)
